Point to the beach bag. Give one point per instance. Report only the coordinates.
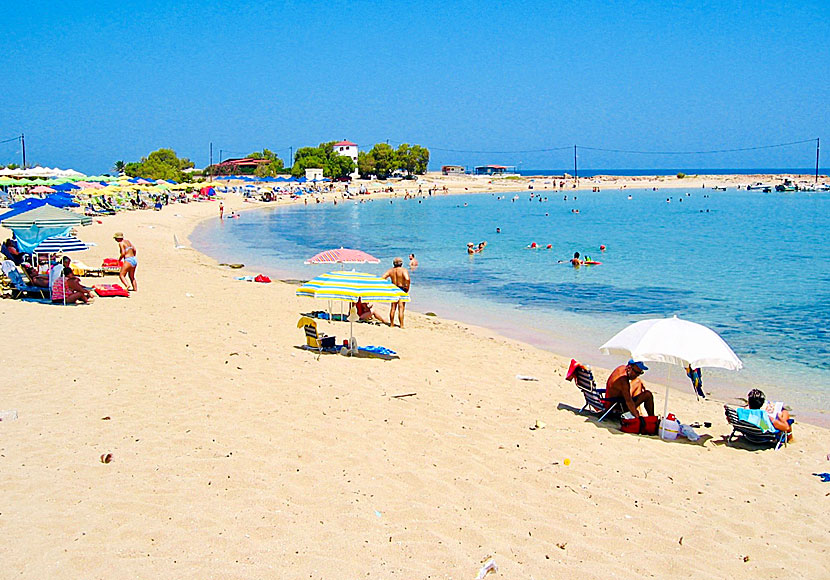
(641, 425)
(262, 278)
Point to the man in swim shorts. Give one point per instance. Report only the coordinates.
(399, 276)
(130, 262)
(624, 386)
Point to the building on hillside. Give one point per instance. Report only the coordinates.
(453, 170)
(498, 170)
(314, 174)
(348, 149)
(246, 166)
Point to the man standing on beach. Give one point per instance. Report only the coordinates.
(625, 387)
(399, 276)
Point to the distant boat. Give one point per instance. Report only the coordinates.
(761, 186)
(785, 188)
(717, 188)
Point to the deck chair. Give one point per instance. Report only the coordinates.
(594, 397)
(753, 433)
(314, 340)
(19, 287)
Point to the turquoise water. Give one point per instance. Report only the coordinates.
(750, 265)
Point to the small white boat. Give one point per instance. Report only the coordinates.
(759, 185)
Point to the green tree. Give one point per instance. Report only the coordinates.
(160, 164)
(322, 157)
(386, 160)
(118, 167)
(365, 164)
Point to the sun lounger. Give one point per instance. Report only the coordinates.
(595, 400)
(20, 287)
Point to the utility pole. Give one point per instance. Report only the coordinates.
(210, 165)
(576, 172)
(23, 146)
(818, 148)
(291, 156)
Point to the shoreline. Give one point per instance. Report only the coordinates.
(730, 388)
(236, 454)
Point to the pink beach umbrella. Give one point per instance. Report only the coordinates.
(342, 256)
(42, 189)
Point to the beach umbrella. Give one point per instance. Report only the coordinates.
(351, 287)
(42, 189)
(342, 256)
(674, 341)
(55, 244)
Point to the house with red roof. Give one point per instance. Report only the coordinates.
(348, 149)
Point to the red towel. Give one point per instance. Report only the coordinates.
(572, 370)
(262, 278)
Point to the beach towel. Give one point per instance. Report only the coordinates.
(106, 290)
(758, 417)
(572, 370)
(697, 380)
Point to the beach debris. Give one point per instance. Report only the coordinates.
(538, 425)
(825, 477)
(106, 457)
(10, 415)
(567, 461)
(404, 395)
(746, 558)
(107, 418)
(430, 314)
(378, 514)
(680, 541)
(561, 545)
(188, 294)
(236, 266)
(489, 566)
(526, 378)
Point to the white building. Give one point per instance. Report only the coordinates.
(314, 174)
(348, 149)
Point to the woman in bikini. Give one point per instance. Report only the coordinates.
(130, 263)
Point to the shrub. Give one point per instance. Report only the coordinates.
(681, 175)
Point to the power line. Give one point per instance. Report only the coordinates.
(10, 140)
(698, 152)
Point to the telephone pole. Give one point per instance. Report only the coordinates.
(576, 172)
(23, 147)
(210, 165)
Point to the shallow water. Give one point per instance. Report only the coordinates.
(749, 265)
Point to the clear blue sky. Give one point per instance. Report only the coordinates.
(91, 83)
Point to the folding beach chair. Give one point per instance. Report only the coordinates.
(594, 398)
(753, 433)
(314, 340)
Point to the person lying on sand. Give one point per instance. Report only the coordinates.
(624, 386)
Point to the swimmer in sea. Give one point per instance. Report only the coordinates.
(481, 246)
(470, 248)
(575, 261)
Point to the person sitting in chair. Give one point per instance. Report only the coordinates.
(778, 416)
(35, 279)
(624, 386)
(12, 252)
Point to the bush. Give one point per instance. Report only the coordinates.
(681, 175)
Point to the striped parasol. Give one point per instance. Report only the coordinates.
(57, 244)
(349, 286)
(46, 216)
(342, 256)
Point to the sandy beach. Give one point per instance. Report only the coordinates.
(236, 454)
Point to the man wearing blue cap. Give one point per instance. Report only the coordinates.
(624, 386)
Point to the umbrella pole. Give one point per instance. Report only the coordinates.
(665, 403)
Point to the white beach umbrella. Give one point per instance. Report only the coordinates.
(673, 341)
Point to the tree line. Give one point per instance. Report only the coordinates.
(382, 161)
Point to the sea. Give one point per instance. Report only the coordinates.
(752, 266)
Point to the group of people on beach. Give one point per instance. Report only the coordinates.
(624, 386)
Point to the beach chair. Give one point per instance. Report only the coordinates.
(595, 400)
(19, 287)
(314, 340)
(752, 433)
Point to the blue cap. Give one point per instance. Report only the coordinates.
(639, 364)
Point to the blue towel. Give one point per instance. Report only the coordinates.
(378, 350)
(757, 417)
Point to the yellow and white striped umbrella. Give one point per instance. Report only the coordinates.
(349, 286)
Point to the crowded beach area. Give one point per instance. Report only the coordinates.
(181, 430)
